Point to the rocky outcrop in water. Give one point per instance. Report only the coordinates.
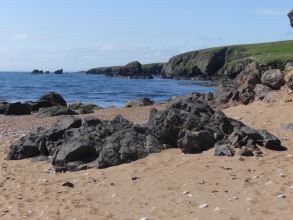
(59, 71)
(188, 123)
(37, 71)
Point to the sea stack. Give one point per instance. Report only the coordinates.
(290, 15)
(59, 71)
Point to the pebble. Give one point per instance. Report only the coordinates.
(291, 187)
(234, 198)
(68, 184)
(255, 177)
(144, 218)
(217, 209)
(203, 206)
(249, 199)
(282, 175)
(281, 196)
(186, 192)
(268, 183)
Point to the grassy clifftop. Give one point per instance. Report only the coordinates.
(210, 61)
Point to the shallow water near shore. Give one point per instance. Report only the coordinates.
(97, 89)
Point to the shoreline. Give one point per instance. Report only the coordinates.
(168, 185)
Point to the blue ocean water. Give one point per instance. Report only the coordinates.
(97, 89)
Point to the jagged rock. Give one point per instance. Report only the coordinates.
(139, 102)
(223, 150)
(81, 108)
(196, 142)
(249, 76)
(273, 78)
(261, 91)
(18, 109)
(270, 141)
(55, 111)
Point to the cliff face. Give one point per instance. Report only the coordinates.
(202, 62)
(290, 15)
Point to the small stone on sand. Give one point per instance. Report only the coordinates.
(203, 206)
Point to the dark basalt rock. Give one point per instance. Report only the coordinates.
(37, 71)
(55, 111)
(59, 71)
(52, 99)
(18, 109)
(188, 123)
(223, 150)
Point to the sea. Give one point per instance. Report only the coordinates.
(101, 90)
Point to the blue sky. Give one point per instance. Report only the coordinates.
(81, 34)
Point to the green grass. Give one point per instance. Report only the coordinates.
(275, 54)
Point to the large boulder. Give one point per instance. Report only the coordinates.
(290, 15)
(55, 111)
(53, 99)
(18, 108)
(273, 78)
(139, 102)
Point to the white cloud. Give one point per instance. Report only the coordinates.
(272, 12)
(20, 36)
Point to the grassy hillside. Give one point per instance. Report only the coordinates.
(275, 54)
(210, 61)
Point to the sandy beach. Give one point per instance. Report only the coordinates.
(168, 185)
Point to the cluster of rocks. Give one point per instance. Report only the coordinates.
(36, 71)
(51, 104)
(254, 82)
(188, 123)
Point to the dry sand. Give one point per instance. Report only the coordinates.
(169, 185)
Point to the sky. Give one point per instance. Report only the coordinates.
(81, 34)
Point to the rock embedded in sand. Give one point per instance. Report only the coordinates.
(203, 206)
